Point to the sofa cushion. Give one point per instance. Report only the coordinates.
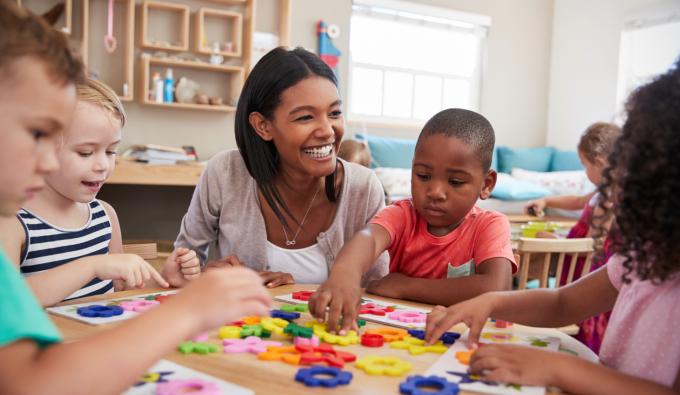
(395, 181)
(389, 152)
(573, 182)
(536, 159)
(565, 161)
(509, 188)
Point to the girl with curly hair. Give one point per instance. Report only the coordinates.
(640, 283)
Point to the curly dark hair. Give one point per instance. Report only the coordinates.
(643, 179)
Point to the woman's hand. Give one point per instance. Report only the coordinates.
(276, 279)
(227, 261)
(516, 364)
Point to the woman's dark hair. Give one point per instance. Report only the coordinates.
(277, 71)
(643, 180)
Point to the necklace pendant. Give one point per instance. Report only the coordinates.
(290, 242)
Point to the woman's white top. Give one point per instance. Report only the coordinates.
(306, 265)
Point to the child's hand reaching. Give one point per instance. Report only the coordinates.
(516, 364)
(181, 266)
(129, 269)
(342, 296)
(223, 295)
(473, 312)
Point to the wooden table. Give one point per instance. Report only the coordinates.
(269, 378)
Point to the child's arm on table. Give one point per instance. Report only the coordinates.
(528, 366)
(491, 275)
(53, 285)
(565, 202)
(112, 360)
(181, 266)
(575, 302)
(342, 291)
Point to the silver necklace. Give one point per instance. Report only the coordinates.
(292, 242)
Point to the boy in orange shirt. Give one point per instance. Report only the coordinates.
(442, 248)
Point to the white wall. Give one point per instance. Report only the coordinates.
(515, 78)
(584, 64)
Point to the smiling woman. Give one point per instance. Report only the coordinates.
(263, 204)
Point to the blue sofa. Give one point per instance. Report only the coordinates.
(398, 153)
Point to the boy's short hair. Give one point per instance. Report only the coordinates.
(98, 93)
(23, 33)
(470, 127)
(598, 140)
(355, 151)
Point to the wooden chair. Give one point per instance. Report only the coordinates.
(547, 247)
(148, 251)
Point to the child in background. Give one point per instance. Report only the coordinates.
(596, 143)
(37, 99)
(62, 237)
(641, 350)
(355, 151)
(442, 248)
(593, 148)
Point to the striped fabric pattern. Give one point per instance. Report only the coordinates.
(48, 246)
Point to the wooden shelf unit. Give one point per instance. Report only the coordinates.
(235, 21)
(236, 73)
(135, 173)
(128, 41)
(68, 14)
(147, 7)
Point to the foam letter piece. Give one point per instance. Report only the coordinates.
(300, 308)
(254, 330)
(138, 305)
(408, 316)
(416, 346)
(374, 309)
(303, 295)
(98, 310)
(275, 325)
(195, 386)
(324, 353)
(307, 376)
(301, 341)
(229, 332)
(286, 315)
(389, 366)
(198, 348)
(390, 334)
(251, 344)
(296, 330)
(288, 354)
(431, 385)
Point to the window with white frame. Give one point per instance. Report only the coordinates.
(409, 61)
(649, 46)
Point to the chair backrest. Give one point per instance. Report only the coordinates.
(147, 251)
(547, 247)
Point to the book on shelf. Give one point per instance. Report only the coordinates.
(154, 154)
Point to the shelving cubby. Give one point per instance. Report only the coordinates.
(213, 25)
(40, 7)
(203, 73)
(165, 26)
